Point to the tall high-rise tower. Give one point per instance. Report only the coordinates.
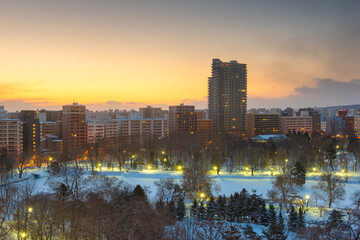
(74, 129)
(227, 100)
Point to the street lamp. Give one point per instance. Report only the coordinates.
(307, 198)
(163, 152)
(149, 167)
(30, 209)
(202, 195)
(23, 235)
(179, 168)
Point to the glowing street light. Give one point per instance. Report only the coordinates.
(23, 235)
(149, 167)
(343, 170)
(247, 169)
(286, 160)
(307, 198)
(179, 168)
(165, 159)
(337, 146)
(215, 168)
(202, 195)
(163, 152)
(50, 158)
(30, 209)
(314, 169)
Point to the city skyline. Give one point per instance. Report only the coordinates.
(132, 54)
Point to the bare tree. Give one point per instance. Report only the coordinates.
(284, 186)
(69, 180)
(332, 188)
(7, 193)
(196, 179)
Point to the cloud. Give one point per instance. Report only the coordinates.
(199, 103)
(326, 92)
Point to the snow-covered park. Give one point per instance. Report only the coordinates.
(228, 183)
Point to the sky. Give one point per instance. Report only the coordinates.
(129, 54)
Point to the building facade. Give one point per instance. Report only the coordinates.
(31, 132)
(227, 97)
(182, 119)
(296, 124)
(262, 124)
(144, 129)
(74, 129)
(11, 137)
(96, 132)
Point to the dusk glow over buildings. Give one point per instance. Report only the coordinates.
(179, 119)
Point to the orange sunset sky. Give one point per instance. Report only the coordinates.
(127, 54)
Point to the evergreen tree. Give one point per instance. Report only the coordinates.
(301, 220)
(139, 193)
(211, 209)
(249, 233)
(331, 154)
(194, 209)
(180, 208)
(201, 211)
(253, 207)
(272, 214)
(221, 208)
(335, 219)
(243, 204)
(281, 227)
(171, 208)
(276, 228)
(298, 173)
(264, 218)
(293, 219)
(63, 192)
(231, 209)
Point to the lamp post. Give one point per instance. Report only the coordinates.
(307, 198)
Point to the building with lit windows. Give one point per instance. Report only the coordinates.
(203, 128)
(144, 129)
(182, 119)
(11, 137)
(262, 124)
(227, 97)
(96, 132)
(31, 132)
(297, 124)
(74, 129)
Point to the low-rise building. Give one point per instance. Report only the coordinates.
(11, 137)
(296, 124)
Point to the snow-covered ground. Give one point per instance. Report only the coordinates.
(229, 183)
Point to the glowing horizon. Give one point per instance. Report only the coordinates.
(160, 54)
